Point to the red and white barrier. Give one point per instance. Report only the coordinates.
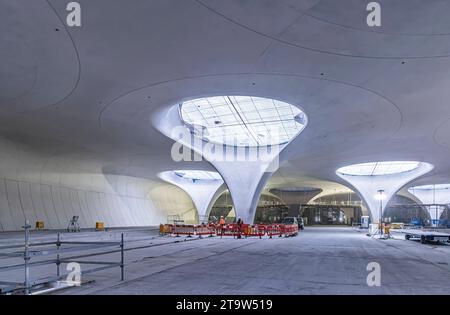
(289, 229)
(234, 230)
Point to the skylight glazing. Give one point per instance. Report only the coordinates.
(379, 168)
(244, 120)
(296, 189)
(430, 187)
(198, 175)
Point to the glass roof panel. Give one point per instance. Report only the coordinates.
(431, 187)
(198, 175)
(379, 168)
(243, 120)
(296, 189)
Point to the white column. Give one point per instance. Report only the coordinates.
(203, 193)
(244, 170)
(368, 186)
(432, 196)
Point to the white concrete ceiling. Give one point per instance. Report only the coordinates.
(370, 94)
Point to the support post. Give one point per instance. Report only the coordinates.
(26, 257)
(121, 258)
(58, 261)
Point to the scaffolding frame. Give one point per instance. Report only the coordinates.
(28, 253)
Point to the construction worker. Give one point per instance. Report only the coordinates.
(222, 225)
(239, 227)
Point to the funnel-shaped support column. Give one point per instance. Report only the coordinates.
(244, 169)
(245, 182)
(370, 186)
(203, 193)
(434, 195)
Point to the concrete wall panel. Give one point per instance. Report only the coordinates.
(12, 193)
(89, 218)
(60, 210)
(76, 206)
(26, 202)
(47, 200)
(6, 218)
(38, 205)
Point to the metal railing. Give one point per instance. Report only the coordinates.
(28, 253)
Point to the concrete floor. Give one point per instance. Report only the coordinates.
(320, 260)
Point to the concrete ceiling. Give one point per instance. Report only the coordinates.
(370, 94)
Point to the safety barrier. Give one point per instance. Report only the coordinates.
(183, 229)
(165, 229)
(289, 229)
(274, 230)
(255, 230)
(234, 230)
(201, 230)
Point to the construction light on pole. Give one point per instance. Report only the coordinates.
(380, 196)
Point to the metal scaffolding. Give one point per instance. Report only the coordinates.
(29, 250)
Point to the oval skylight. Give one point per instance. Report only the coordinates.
(379, 168)
(430, 187)
(198, 175)
(295, 189)
(243, 120)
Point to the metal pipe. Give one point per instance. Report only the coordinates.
(26, 258)
(58, 262)
(91, 243)
(121, 258)
(91, 262)
(20, 266)
(30, 245)
(66, 250)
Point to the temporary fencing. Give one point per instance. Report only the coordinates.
(255, 230)
(275, 230)
(289, 229)
(227, 230)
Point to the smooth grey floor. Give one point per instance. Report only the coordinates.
(320, 260)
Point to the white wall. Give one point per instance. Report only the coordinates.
(35, 186)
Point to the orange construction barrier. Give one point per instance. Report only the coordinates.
(228, 230)
(290, 229)
(255, 230)
(234, 230)
(202, 229)
(165, 229)
(274, 229)
(183, 230)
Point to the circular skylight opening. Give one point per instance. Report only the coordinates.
(243, 120)
(295, 189)
(379, 168)
(198, 175)
(430, 187)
